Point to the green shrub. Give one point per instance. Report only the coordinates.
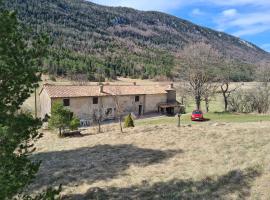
(74, 123)
(129, 121)
(60, 117)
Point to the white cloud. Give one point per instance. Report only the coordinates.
(238, 2)
(165, 5)
(244, 23)
(253, 30)
(230, 13)
(197, 11)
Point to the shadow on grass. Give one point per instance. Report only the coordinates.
(202, 120)
(205, 120)
(236, 182)
(90, 164)
(224, 113)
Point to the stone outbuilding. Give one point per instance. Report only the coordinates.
(109, 101)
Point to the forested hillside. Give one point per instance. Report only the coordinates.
(99, 41)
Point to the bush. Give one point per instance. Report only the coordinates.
(252, 100)
(74, 123)
(129, 122)
(242, 101)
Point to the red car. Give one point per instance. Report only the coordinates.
(197, 115)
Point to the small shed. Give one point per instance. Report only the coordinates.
(170, 108)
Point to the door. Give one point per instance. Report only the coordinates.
(170, 111)
(140, 109)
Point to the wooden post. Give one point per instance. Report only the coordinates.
(179, 119)
(35, 102)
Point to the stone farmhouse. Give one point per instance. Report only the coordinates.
(87, 101)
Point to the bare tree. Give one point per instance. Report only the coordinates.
(262, 92)
(263, 73)
(225, 80)
(116, 93)
(209, 94)
(256, 99)
(98, 117)
(200, 60)
(183, 92)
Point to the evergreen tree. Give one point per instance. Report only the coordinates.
(20, 59)
(60, 117)
(129, 122)
(74, 123)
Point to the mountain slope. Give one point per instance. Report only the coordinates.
(124, 40)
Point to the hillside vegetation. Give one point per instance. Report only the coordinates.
(98, 41)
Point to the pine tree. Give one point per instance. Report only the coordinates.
(129, 122)
(20, 59)
(60, 117)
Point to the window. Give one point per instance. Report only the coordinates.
(66, 102)
(197, 112)
(137, 98)
(95, 100)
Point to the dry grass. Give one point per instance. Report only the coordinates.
(204, 161)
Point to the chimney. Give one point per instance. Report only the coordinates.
(134, 83)
(101, 88)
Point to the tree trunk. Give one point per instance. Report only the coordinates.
(198, 103)
(120, 124)
(225, 97)
(60, 132)
(99, 126)
(207, 105)
(225, 103)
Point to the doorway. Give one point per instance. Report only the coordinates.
(170, 111)
(140, 110)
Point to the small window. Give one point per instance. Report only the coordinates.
(95, 100)
(66, 102)
(137, 98)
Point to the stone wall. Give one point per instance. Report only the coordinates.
(83, 107)
(152, 102)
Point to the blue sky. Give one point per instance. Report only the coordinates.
(247, 19)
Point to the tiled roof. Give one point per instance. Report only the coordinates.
(55, 91)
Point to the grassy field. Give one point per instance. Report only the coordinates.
(226, 157)
(199, 161)
(212, 117)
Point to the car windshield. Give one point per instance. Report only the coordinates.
(197, 112)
